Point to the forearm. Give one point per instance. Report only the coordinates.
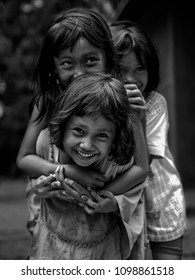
(127, 180)
(35, 166)
(141, 150)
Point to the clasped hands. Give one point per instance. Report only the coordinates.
(56, 185)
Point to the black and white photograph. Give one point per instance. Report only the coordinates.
(97, 111)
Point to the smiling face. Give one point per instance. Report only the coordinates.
(133, 72)
(88, 139)
(83, 58)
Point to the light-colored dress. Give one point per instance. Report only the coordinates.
(166, 221)
(65, 231)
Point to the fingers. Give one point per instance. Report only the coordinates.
(105, 193)
(136, 95)
(136, 100)
(41, 190)
(55, 185)
(87, 209)
(60, 173)
(94, 202)
(133, 91)
(139, 106)
(62, 194)
(45, 180)
(105, 204)
(43, 185)
(129, 86)
(95, 195)
(100, 177)
(97, 181)
(75, 190)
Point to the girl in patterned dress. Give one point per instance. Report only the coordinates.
(139, 65)
(91, 127)
(78, 41)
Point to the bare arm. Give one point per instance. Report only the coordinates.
(36, 165)
(27, 160)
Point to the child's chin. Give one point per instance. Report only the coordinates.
(84, 163)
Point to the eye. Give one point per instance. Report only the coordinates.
(103, 136)
(91, 60)
(78, 131)
(66, 64)
(140, 68)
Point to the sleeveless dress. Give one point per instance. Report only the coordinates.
(65, 231)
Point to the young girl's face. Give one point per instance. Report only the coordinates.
(88, 139)
(83, 58)
(133, 72)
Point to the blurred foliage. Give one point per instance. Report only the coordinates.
(22, 27)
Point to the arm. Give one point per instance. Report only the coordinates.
(157, 129)
(132, 177)
(139, 170)
(34, 165)
(27, 160)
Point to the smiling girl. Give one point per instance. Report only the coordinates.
(92, 128)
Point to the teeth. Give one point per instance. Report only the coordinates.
(85, 155)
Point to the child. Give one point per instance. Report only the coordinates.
(91, 128)
(140, 68)
(78, 41)
(71, 47)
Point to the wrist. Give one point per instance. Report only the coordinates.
(68, 171)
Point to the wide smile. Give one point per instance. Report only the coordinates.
(85, 156)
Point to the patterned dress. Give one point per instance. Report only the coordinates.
(166, 221)
(65, 231)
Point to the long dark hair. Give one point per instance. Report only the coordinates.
(128, 37)
(63, 32)
(98, 94)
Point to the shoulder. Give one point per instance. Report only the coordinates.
(43, 135)
(43, 142)
(156, 103)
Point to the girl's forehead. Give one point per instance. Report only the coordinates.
(129, 58)
(83, 43)
(81, 46)
(95, 117)
(94, 121)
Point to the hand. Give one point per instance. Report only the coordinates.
(136, 99)
(105, 203)
(88, 177)
(70, 187)
(60, 173)
(45, 186)
(48, 187)
(76, 191)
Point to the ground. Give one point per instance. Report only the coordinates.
(15, 240)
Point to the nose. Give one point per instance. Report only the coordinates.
(78, 71)
(130, 79)
(86, 144)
